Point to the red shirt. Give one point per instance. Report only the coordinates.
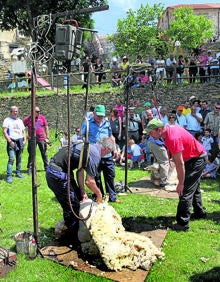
(40, 124)
(179, 140)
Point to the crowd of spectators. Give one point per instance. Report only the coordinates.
(201, 65)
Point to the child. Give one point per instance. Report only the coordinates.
(144, 154)
(135, 152)
(207, 140)
(210, 169)
(64, 140)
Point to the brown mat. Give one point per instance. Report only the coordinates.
(69, 257)
(145, 186)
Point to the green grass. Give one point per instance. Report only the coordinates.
(190, 256)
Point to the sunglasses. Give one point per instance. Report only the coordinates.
(37, 111)
(217, 108)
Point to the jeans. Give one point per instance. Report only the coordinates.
(12, 155)
(43, 150)
(57, 182)
(108, 168)
(191, 192)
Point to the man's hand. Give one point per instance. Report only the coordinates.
(116, 154)
(99, 197)
(179, 189)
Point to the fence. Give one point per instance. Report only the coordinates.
(56, 81)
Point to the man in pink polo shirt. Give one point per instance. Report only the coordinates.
(190, 159)
(42, 137)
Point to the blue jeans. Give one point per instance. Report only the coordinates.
(191, 192)
(57, 182)
(108, 169)
(12, 155)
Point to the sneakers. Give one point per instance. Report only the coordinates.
(178, 228)
(9, 179)
(19, 175)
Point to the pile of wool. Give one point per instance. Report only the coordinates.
(106, 237)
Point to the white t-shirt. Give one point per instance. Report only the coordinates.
(136, 150)
(15, 127)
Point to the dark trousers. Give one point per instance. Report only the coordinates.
(43, 150)
(108, 169)
(57, 182)
(191, 193)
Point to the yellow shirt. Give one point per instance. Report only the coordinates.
(186, 111)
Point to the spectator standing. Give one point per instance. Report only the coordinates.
(42, 137)
(160, 69)
(207, 140)
(85, 68)
(14, 133)
(170, 68)
(77, 137)
(180, 65)
(188, 155)
(193, 69)
(186, 108)
(212, 121)
(203, 59)
(120, 108)
(180, 118)
(193, 121)
(100, 128)
(144, 117)
(98, 69)
(133, 125)
(116, 125)
(204, 110)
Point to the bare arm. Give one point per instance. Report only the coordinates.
(91, 184)
(180, 169)
(80, 181)
(47, 132)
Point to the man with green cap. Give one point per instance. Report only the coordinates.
(99, 128)
(190, 159)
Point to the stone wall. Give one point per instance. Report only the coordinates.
(54, 107)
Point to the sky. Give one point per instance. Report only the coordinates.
(106, 21)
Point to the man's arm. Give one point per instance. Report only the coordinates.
(180, 169)
(90, 183)
(47, 134)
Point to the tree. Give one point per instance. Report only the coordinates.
(21, 14)
(138, 32)
(191, 30)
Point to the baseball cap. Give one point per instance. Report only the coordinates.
(192, 97)
(100, 110)
(147, 104)
(153, 124)
(180, 108)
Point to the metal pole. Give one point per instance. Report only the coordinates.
(33, 153)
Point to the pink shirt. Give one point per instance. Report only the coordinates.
(120, 111)
(40, 124)
(180, 140)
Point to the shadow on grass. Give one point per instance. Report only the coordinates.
(140, 223)
(212, 275)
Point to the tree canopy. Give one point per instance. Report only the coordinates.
(139, 33)
(21, 14)
(191, 30)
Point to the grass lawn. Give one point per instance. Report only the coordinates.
(190, 256)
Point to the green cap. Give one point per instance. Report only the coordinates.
(153, 124)
(147, 104)
(100, 110)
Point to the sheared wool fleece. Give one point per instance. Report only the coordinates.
(117, 247)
